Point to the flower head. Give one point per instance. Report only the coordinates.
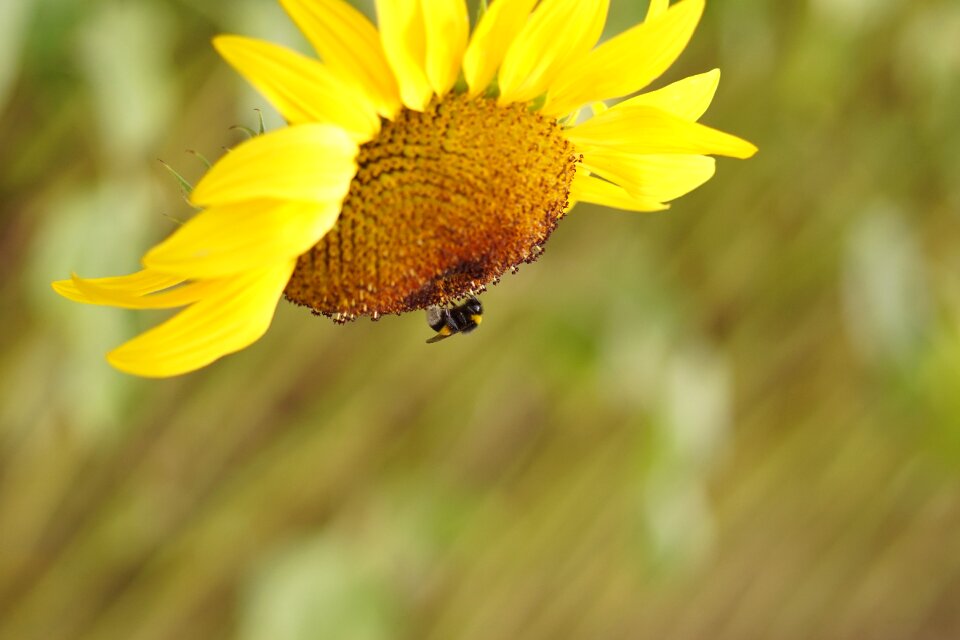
(420, 163)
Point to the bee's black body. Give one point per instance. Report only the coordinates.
(463, 318)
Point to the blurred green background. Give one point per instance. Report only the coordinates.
(736, 419)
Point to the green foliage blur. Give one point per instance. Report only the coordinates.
(736, 419)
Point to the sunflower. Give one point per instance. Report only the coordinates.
(420, 162)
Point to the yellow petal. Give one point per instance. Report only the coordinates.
(242, 237)
(628, 62)
(136, 284)
(309, 162)
(404, 43)
(657, 8)
(350, 46)
(588, 188)
(688, 98)
(496, 31)
(557, 33)
(302, 90)
(657, 178)
(233, 317)
(447, 27)
(177, 296)
(646, 130)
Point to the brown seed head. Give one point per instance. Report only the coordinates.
(444, 202)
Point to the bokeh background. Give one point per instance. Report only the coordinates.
(736, 419)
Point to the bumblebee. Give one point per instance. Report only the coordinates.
(463, 318)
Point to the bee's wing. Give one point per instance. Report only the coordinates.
(435, 317)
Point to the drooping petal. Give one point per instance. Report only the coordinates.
(236, 315)
(657, 8)
(656, 178)
(242, 237)
(591, 189)
(557, 33)
(646, 130)
(628, 62)
(403, 36)
(496, 31)
(447, 27)
(308, 162)
(350, 46)
(140, 283)
(303, 90)
(177, 296)
(688, 98)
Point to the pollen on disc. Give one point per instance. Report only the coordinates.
(444, 202)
